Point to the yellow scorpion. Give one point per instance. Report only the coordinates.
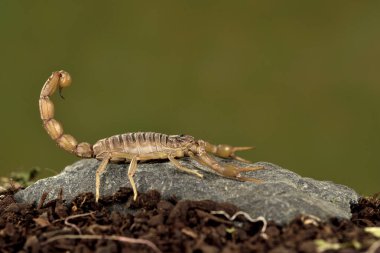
(140, 146)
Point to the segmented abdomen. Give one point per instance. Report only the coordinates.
(135, 143)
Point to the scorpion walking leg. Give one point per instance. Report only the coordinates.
(100, 170)
(131, 169)
(131, 172)
(183, 168)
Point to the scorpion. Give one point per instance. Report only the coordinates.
(138, 146)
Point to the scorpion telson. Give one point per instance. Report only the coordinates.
(140, 146)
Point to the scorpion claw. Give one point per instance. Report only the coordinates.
(246, 169)
(234, 149)
(234, 172)
(253, 168)
(227, 151)
(241, 159)
(241, 148)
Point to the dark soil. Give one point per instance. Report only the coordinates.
(158, 225)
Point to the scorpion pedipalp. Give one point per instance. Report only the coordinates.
(225, 170)
(245, 169)
(227, 151)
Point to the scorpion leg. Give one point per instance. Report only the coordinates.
(99, 171)
(183, 168)
(131, 169)
(226, 170)
(131, 172)
(226, 151)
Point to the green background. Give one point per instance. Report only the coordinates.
(299, 80)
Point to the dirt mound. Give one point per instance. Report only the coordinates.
(157, 225)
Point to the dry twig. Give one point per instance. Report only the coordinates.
(67, 223)
(246, 215)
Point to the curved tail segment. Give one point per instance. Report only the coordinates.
(60, 80)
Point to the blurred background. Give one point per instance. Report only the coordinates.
(299, 80)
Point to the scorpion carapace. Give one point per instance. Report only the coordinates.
(140, 146)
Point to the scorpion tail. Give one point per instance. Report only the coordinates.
(60, 79)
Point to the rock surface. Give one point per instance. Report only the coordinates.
(283, 195)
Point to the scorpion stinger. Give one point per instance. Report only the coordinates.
(134, 147)
(60, 92)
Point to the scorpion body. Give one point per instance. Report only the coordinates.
(140, 146)
(147, 145)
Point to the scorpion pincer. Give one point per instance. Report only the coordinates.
(140, 146)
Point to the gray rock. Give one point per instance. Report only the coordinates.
(283, 195)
